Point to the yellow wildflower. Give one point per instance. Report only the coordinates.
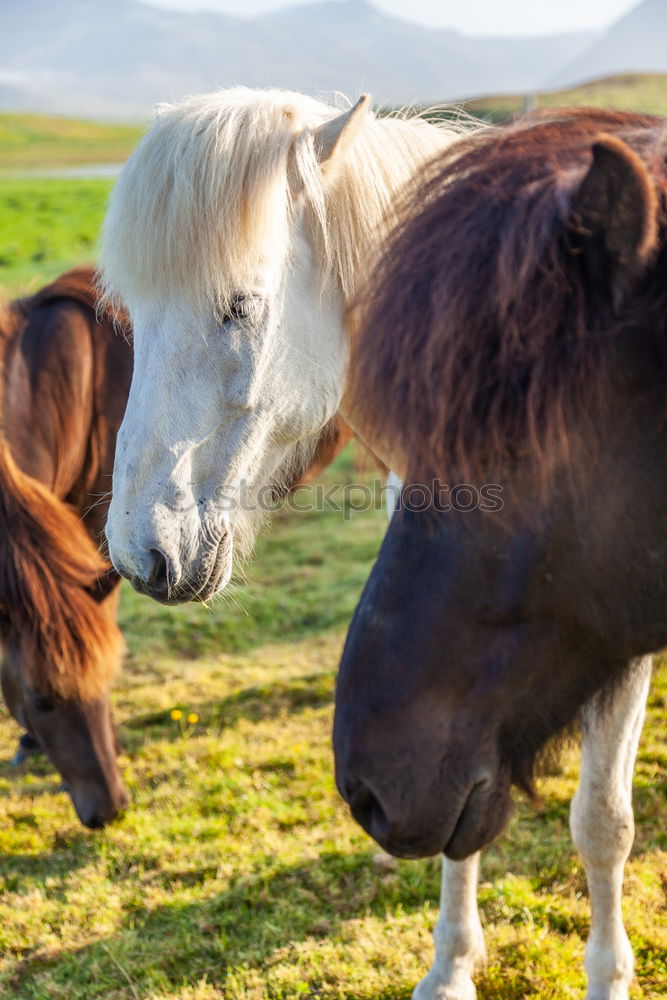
(176, 714)
(192, 718)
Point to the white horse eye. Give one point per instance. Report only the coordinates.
(243, 307)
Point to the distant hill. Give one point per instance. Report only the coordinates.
(628, 91)
(34, 140)
(118, 59)
(637, 41)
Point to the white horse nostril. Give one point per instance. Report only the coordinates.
(161, 575)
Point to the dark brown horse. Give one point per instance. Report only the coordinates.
(516, 335)
(66, 367)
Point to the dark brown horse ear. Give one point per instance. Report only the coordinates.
(615, 210)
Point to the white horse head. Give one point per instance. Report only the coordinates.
(236, 236)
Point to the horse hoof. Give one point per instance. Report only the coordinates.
(432, 987)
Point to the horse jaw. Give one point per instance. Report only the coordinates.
(217, 411)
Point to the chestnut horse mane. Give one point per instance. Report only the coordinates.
(481, 328)
(81, 284)
(51, 573)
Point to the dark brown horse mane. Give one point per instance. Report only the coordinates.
(473, 349)
(52, 577)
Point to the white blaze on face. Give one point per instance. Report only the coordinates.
(213, 412)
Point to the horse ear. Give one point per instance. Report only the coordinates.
(615, 210)
(334, 138)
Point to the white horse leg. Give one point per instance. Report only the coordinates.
(602, 826)
(458, 935)
(459, 940)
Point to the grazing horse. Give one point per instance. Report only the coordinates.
(64, 382)
(238, 234)
(526, 348)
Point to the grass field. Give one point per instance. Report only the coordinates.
(29, 141)
(237, 872)
(46, 226)
(629, 92)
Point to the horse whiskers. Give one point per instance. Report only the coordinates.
(227, 598)
(103, 547)
(239, 571)
(101, 497)
(235, 591)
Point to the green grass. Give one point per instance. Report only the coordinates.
(28, 141)
(47, 226)
(237, 872)
(645, 92)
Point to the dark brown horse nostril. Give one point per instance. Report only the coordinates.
(368, 810)
(160, 578)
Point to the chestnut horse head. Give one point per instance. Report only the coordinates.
(64, 381)
(527, 348)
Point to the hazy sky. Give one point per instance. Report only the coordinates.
(476, 17)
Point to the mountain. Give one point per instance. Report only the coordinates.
(122, 57)
(128, 56)
(637, 41)
(352, 46)
(524, 61)
(118, 59)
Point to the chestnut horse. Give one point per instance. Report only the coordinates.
(527, 348)
(65, 379)
(66, 373)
